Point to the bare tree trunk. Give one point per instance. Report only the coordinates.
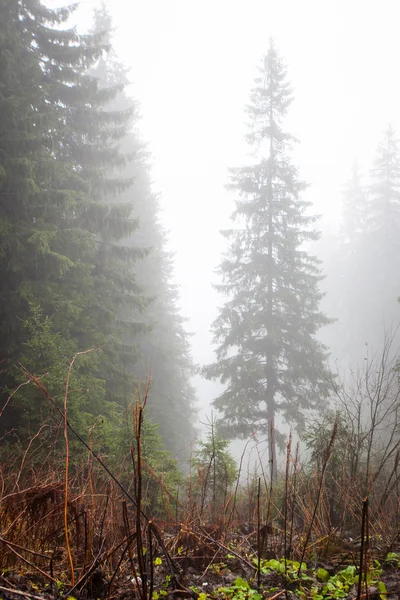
(270, 301)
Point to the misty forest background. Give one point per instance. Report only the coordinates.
(301, 342)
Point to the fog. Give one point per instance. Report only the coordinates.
(200, 297)
(192, 65)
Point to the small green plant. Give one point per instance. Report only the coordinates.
(393, 558)
(374, 578)
(291, 569)
(218, 568)
(164, 587)
(338, 585)
(239, 590)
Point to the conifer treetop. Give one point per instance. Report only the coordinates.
(267, 353)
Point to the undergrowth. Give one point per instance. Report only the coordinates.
(97, 528)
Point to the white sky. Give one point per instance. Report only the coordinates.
(192, 66)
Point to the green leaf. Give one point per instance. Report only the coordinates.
(382, 589)
(157, 561)
(393, 557)
(330, 586)
(273, 564)
(239, 582)
(322, 574)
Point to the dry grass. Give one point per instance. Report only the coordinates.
(81, 526)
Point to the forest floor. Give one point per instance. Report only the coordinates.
(227, 575)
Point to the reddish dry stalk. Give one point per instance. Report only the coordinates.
(288, 456)
(37, 434)
(71, 564)
(127, 533)
(328, 453)
(12, 394)
(99, 560)
(92, 507)
(236, 487)
(119, 564)
(14, 545)
(138, 465)
(258, 534)
(66, 488)
(293, 503)
(19, 593)
(28, 562)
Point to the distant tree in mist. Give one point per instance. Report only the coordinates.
(347, 281)
(354, 209)
(384, 221)
(268, 356)
(381, 243)
(363, 265)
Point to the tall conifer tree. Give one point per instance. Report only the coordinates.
(60, 265)
(42, 252)
(268, 355)
(161, 346)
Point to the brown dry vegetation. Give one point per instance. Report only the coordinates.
(78, 531)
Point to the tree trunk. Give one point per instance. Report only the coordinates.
(270, 392)
(273, 470)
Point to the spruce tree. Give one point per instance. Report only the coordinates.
(348, 277)
(59, 256)
(268, 355)
(354, 213)
(164, 348)
(117, 255)
(383, 241)
(161, 347)
(39, 195)
(364, 269)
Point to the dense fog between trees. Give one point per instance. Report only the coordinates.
(209, 229)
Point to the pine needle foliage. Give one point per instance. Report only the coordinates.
(268, 356)
(59, 253)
